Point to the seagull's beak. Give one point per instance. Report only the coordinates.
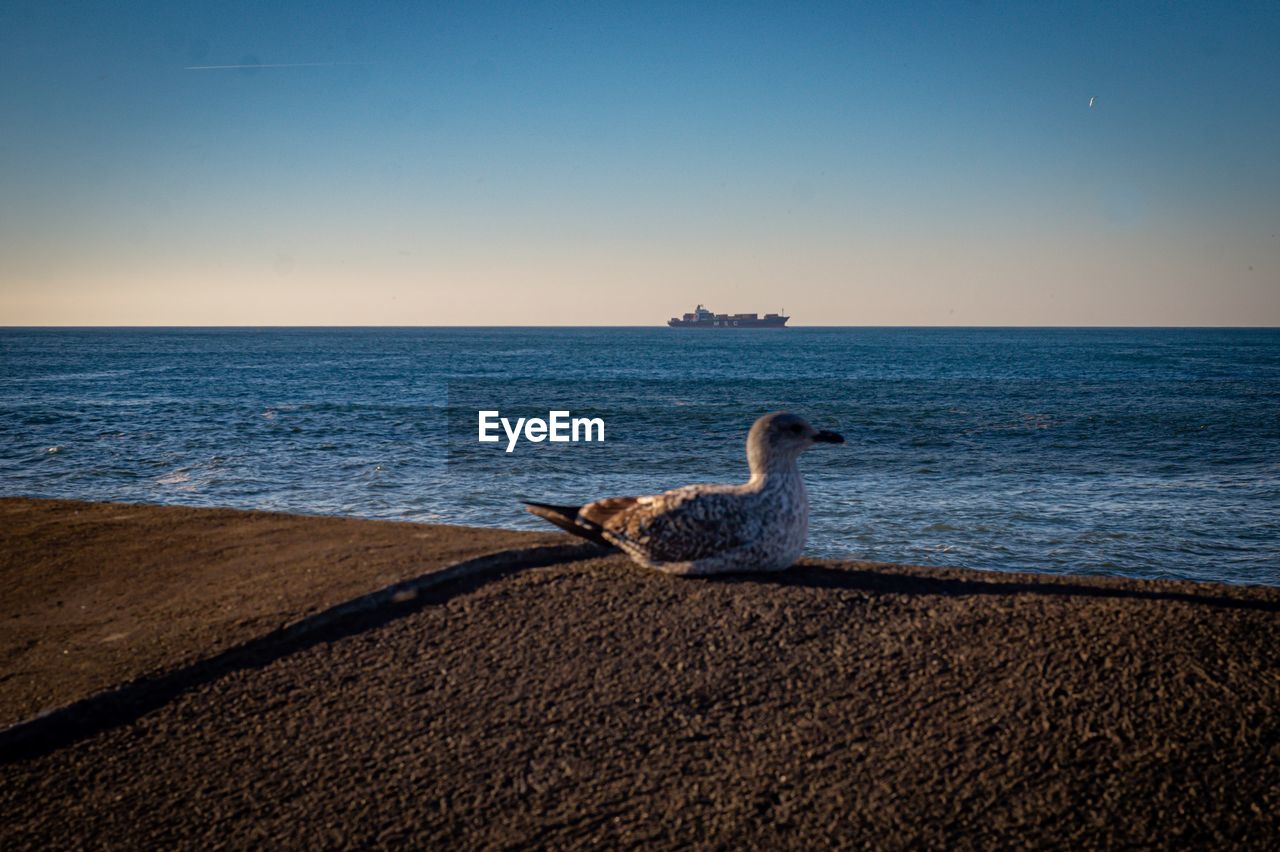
(825, 437)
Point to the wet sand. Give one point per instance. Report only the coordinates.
(587, 701)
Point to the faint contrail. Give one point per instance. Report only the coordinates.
(268, 65)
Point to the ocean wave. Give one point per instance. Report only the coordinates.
(175, 477)
(1063, 458)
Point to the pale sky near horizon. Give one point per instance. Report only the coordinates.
(900, 163)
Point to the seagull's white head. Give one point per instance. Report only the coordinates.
(777, 439)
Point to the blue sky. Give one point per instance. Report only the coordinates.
(597, 163)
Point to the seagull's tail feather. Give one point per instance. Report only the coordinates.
(567, 519)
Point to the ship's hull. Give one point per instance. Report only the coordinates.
(730, 322)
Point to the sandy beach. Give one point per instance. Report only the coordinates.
(210, 676)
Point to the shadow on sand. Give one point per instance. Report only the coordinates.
(125, 704)
(891, 582)
(122, 705)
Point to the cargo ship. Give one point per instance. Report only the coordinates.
(703, 318)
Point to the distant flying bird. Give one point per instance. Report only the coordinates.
(760, 525)
(1091, 103)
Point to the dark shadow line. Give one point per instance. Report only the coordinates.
(124, 704)
(820, 577)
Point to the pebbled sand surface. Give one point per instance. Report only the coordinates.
(593, 702)
(97, 594)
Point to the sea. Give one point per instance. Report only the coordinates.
(1149, 453)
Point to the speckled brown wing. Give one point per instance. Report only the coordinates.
(606, 512)
(676, 526)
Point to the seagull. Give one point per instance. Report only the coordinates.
(1091, 100)
(696, 530)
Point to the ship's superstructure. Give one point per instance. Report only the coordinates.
(703, 318)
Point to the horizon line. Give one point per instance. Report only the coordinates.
(246, 326)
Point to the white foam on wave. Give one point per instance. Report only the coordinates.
(175, 477)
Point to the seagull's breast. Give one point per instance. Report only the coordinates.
(786, 514)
